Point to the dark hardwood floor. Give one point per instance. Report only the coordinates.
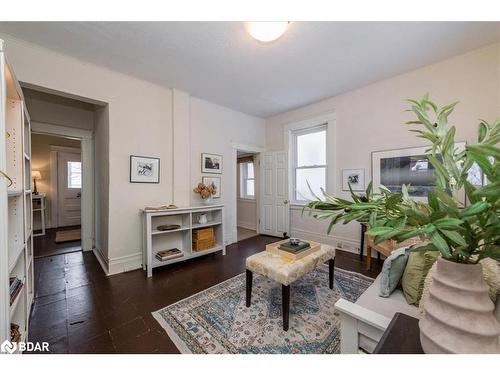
(46, 245)
(78, 309)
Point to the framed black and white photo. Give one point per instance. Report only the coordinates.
(408, 166)
(211, 163)
(213, 180)
(355, 177)
(144, 169)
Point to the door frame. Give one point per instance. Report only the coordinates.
(54, 179)
(234, 184)
(87, 156)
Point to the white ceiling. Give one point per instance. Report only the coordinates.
(220, 62)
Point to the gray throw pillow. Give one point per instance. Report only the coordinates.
(392, 271)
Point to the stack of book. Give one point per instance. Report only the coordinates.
(15, 287)
(293, 250)
(164, 255)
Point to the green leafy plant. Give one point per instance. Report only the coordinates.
(461, 234)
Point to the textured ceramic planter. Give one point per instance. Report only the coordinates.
(458, 315)
(207, 201)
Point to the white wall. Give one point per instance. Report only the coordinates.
(141, 120)
(101, 183)
(371, 119)
(247, 213)
(45, 108)
(214, 129)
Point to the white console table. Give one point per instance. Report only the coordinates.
(155, 240)
(41, 198)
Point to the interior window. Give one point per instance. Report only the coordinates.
(308, 162)
(247, 180)
(74, 175)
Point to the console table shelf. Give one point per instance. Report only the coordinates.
(155, 240)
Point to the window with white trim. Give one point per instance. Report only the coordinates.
(308, 163)
(74, 175)
(247, 180)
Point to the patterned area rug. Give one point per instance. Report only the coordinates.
(216, 320)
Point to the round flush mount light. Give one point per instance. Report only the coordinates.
(266, 31)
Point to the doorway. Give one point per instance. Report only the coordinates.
(72, 124)
(57, 178)
(69, 188)
(247, 208)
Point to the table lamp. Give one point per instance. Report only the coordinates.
(36, 175)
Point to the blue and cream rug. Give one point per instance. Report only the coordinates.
(216, 320)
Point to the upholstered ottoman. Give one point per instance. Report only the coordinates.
(286, 272)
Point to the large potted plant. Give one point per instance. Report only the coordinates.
(458, 314)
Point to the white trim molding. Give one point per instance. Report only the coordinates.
(125, 263)
(65, 131)
(256, 150)
(342, 243)
(327, 119)
(102, 259)
(120, 264)
(73, 150)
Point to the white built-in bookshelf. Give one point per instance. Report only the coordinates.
(155, 240)
(16, 221)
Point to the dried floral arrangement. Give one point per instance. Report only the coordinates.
(205, 191)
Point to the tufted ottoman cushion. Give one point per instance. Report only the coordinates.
(286, 272)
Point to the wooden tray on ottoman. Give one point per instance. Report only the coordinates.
(274, 248)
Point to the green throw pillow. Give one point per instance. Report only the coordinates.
(392, 271)
(419, 264)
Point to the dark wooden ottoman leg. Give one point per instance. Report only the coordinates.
(331, 268)
(285, 295)
(249, 288)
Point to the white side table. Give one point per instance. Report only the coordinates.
(41, 208)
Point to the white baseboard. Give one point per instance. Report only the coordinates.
(125, 263)
(101, 259)
(247, 225)
(341, 243)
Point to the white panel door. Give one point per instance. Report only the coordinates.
(275, 208)
(69, 188)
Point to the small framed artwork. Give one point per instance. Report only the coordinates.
(211, 163)
(144, 169)
(355, 177)
(212, 180)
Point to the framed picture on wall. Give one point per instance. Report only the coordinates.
(407, 166)
(144, 169)
(211, 163)
(355, 177)
(213, 180)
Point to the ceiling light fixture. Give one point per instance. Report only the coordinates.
(266, 31)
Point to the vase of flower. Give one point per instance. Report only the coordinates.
(206, 192)
(458, 315)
